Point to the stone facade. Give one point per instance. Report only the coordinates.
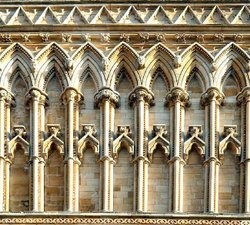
(124, 113)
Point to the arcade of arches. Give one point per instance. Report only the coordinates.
(151, 126)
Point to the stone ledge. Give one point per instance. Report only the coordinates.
(123, 218)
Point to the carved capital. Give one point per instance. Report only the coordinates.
(177, 94)
(108, 94)
(71, 94)
(35, 94)
(141, 94)
(212, 94)
(244, 96)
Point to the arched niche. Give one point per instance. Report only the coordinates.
(54, 180)
(88, 113)
(55, 112)
(194, 114)
(159, 113)
(193, 181)
(124, 114)
(230, 113)
(89, 183)
(19, 181)
(19, 113)
(123, 180)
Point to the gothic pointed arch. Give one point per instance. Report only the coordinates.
(88, 59)
(124, 71)
(122, 56)
(159, 56)
(196, 56)
(16, 57)
(52, 57)
(232, 56)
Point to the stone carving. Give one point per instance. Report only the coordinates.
(106, 93)
(19, 138)
(230, 135)
(212, 94)
(88, 140)
(141, 94)
(53, 138)
(159, 141)
(177, 94)
(123, 139)
(194, 133)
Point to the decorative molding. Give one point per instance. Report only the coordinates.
(88, 140)
(123, 139)
(159, 141)
(194, 133)
(153, 14)
(230, 138)
(121, 220)
(141, 93)
(107, 93)
(177, 94)
(212, 94)
(19, 136)
(53, 133)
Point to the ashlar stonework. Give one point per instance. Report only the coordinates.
(124, 113)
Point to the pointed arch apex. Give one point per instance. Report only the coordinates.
(118, 48)
(198, 48)
(232, 46)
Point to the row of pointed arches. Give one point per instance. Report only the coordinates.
(158, 191)
(71, 70)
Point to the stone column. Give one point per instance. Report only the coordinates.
(243, 100)
(106, 99)
(43, 102)
(71, 97)
(141, 98)
(212, 100)
(4, 98)
(33, 99)
(10, 102)
(177, 99)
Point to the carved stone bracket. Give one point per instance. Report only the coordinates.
(243, 96)
(177, 94)
(108, 94)
(123, 139)
(141, 93)
(230, 138)
(159, 140)
(88, 140)
(53, 132)
(194, 133)
(19, 135)
(212, 94)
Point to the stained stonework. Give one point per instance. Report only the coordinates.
(124, 112)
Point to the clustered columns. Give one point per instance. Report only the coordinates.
(177, 99)
(244, 100)
(141, 98)
(36, 100)
(5, 99)
(71, 99)
(212, 99)
(106, 99)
